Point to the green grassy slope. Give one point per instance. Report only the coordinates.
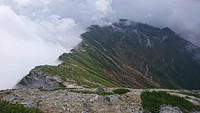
(91, 66)
(131, 55)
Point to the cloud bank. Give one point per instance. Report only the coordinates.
(25, 43)
(36, 32)
(180, 15)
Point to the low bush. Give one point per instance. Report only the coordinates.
(151, 101)
(121, 91)
(7, 107)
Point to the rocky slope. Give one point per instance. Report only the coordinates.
(65, 101)
(86, 100)
(126, 54)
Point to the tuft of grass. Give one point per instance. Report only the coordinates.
(91, 92)
(7, 107)
(151, 101)
(121, 91)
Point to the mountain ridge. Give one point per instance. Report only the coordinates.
(126, 54)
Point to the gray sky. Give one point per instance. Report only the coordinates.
(35, 32)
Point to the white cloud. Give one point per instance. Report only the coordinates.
(26, 42)
(19, 56)
(27, 3)
(23, 2)
(35, 32)
(104, 7)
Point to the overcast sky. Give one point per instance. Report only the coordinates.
(36, 32)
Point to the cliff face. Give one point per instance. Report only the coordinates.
(126, 54)
(37, 79)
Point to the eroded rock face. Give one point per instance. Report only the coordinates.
(37, 79)
(169, 109)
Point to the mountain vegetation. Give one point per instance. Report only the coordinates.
(7, 107)
(152, 101)
(128, 54)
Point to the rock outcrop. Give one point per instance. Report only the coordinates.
(37, 79)
(169, 109)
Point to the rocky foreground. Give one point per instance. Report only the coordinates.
(86, 100)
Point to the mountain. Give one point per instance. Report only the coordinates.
(125, 54)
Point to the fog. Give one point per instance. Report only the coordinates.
(36, 32)
(181, 16)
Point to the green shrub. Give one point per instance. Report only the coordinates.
(7, 107)
(151, 101)
(91, 92)
(121, 91)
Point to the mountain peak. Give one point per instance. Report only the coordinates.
(168, 30)
(126, 54)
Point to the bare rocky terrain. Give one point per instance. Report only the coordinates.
(79, 101)
(65, 101)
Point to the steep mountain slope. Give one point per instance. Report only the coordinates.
(126, 54)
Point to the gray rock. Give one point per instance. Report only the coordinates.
(100, 90)
(84, 112)
(193, 100)
(36, 79)
(107, 99)
(169, 109)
